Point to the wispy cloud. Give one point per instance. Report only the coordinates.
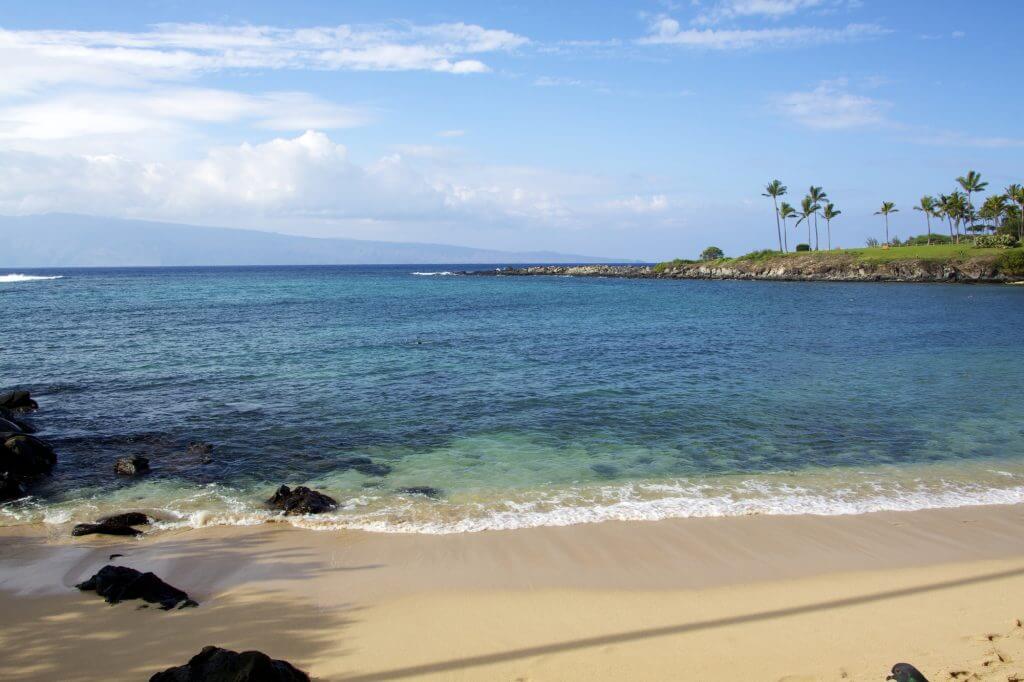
(99, 114)
(450, 133)
(31, 60)
(949, 138)
(667, 31)
(725, 10)
(830, 106)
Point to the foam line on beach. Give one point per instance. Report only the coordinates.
(217, 505)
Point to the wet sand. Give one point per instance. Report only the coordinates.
(752, 598)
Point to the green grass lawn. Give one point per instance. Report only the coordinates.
(933, 252)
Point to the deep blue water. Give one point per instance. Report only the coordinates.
(526, 400)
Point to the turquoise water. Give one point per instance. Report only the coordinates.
(527, 401)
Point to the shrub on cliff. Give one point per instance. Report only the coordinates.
(994, 241)
(763, 254)
(672, 265)
(922, 240)
(712, 253)
(1012, 263)
(803, 247)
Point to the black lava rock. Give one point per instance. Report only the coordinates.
(12, 426)
(23, 460)
(19, 401)
(15, 418)
(118, 524)
(302, 500)
(214, 664)
(131, 466)
(120, 583)
(424, 490)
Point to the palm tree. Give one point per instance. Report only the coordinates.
(942, 208)
(828, 213)
(817, 195)
(927, 206)
(959, 211)
(776, 189)
(1016, 194)
(807, 209)
(785, 211)
(994, 208)
(971, 183)
(887, 208)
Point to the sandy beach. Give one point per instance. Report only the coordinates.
(752, 598)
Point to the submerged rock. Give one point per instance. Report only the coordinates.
(199, 448)
(302, 500)
(364, 465)
(120, 583)
(131, 466)
(118, 524)
(19, 401)
(424, 490)
(214, 664)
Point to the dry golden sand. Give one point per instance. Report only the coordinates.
(755, 598)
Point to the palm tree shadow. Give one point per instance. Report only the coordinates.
(681, 628)
(58, 632)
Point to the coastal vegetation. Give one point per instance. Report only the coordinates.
(999, 214)
(989, 236)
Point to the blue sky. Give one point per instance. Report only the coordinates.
(641, 130)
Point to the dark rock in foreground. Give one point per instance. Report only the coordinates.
(19, 401)
(214, 664)
(120, 583)
(424, 490)
(10, 423)
(23, 460)
(131, 466)
(302, 500)
(119, 524)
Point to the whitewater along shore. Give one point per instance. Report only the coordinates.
(740, 598)
(826, 267)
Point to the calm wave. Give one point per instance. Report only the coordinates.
(527, 401)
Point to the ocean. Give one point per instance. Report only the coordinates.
(524, 401)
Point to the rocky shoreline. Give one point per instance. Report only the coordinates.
(798, 268)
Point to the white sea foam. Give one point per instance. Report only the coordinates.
(215, 505)
(444, 273)
(16, 277)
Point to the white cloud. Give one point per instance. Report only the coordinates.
(34, 60)
(656, 203)
(667, 31)
(292, 181)
(451, 133)
(100, 113)
(831, 107)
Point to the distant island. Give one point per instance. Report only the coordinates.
(935, 263)
(67, 240)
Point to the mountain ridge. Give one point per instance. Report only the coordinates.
(74, 240)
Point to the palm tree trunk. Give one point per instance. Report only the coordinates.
(928, 218)
(828, 227)
(808, 232)
(785, 237)
(816, 232)
(777, 229)
(887, 229)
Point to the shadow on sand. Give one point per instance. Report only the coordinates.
(682, 628)
(62, 634)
